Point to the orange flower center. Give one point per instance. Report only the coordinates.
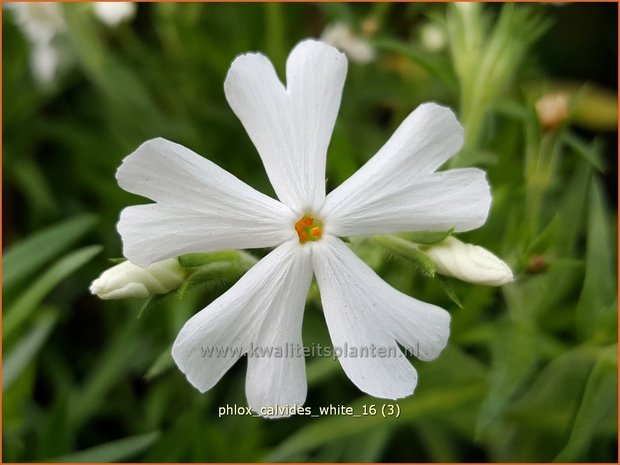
(309, 229)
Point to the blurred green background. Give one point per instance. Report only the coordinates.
(530, 370)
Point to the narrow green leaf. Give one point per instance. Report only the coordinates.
(368, 446)
(599, 289)
(435, 65)
(589, 153)
(115, 451)
(514, 353)
(550, 403)
(25, 350)
(23, 258)
(606, 330)
(161, 364)
(53, 436)
(105, 373)
(19, 312)
(599, 400)
(438, 442)
(30, 177)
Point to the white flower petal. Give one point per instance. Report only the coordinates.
(264, 307)
(397, 190)
(458, 198)
(279, 380)
(290, 127)
(363, 310)
(200, 207)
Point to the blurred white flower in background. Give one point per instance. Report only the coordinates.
(127, 280)
(44, 60)
(356, 47)
(113, 13)
(44, 26)
(432, 37)
(468, 262)
(40, 23)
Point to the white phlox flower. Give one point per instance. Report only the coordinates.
(468, 262)
(200, 207)
(114, 13)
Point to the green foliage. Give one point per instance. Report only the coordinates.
(24, 352)
(24, 258)
(486, 57)
(514, 353)
(600, 397)
(114, 451)
(529, 374)
(23, 307)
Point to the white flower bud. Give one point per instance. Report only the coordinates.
(469, 262)
(127, 280)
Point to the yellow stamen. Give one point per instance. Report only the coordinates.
(308, 229)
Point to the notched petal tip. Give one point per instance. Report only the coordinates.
(319, 55)
(317, 46)
(157, 143)
(244, 63)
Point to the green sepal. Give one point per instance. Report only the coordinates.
(426, 237)
(446, 286)
(151, 302)
(216, 272)
(194, 260)
(404, 249)
(162, 363)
